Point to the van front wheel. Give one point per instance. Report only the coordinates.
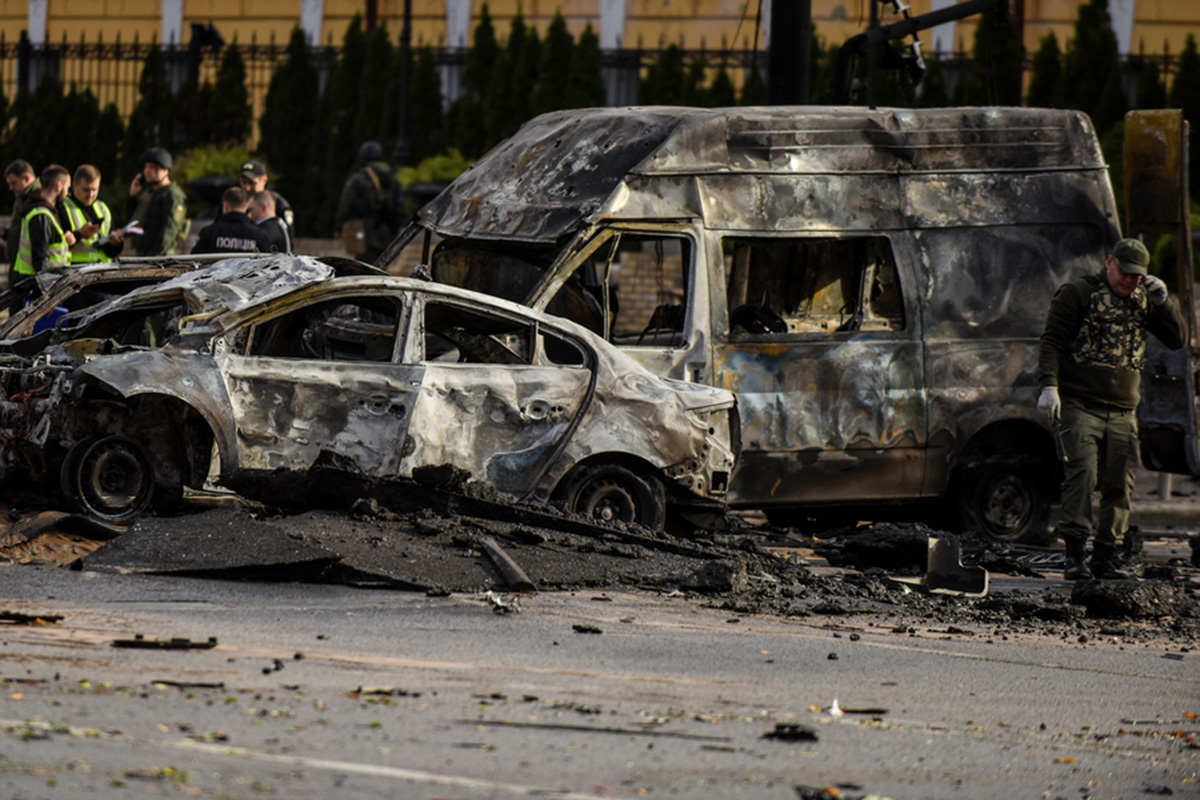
(1008, 503)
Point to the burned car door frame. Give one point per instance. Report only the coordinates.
(533, 385)
(320, 373)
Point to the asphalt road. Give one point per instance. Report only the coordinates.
(327, 691)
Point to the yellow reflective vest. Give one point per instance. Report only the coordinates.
(85, 251)
(59, 254)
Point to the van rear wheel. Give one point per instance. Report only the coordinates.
(1006, 502)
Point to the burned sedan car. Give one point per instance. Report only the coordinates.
(276, 361)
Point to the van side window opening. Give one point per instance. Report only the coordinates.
(780, 286)
(647, 281)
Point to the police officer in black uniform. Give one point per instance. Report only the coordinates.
(233, 231)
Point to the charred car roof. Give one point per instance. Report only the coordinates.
(238, 282)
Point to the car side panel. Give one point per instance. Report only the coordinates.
(504, 422)
(287, 411)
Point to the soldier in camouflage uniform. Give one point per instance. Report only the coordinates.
(158, 205)
(1090, 359)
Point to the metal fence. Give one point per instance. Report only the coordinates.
(112, 71)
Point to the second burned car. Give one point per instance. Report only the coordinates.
(272, 361)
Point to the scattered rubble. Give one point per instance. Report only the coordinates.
(440, 535)
(1106, 599)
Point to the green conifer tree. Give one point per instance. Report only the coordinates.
(1151, 91)
(820, 86)
(754, 90)
(110, 129)
(499, 101)
(230, 110)
(1185, 95)
(81, 112)
(693, 91)
(481, 58)
(528, 61)
(1112, 104)
(1090, 58)
(153, 119)
(994, 76)
(467, 113)
(1045, 74)
(586, 81)
(721, 93)
(663, 84)
(554, 72)
(508, 102)
(290, 137)
(426, 120)
(375, 116)
(340, 115)
(934, 93)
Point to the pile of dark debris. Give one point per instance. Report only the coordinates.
(441, 534)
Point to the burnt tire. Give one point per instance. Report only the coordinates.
(109, 478)
(1006, 502)
(613, 493)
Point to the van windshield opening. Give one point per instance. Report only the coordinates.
(643, 283)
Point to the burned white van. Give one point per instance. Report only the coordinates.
(871, 283)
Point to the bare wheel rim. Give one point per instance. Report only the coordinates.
(1007, 505)
(113, 478)
(608, 501)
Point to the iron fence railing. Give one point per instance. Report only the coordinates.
(113, 70)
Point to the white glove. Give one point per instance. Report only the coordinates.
(1156, 290)
(1049, 403)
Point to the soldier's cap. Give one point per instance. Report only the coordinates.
(1132, 257)
(159, 156)
(253, 169)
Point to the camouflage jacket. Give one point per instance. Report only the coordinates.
(1094, 344)
(162, 212)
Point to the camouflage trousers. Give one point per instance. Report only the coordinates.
(1102, 454)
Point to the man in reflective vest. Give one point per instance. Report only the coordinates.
(44, 244)
(90, 220)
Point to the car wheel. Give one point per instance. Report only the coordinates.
(613, 493)
(1008, 503)
(109, 478)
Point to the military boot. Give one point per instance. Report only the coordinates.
(1076, 568)
(1107, 565)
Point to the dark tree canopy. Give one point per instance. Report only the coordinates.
(291, 139)
(1185, 95)
(1045, 74)
(231, 113)
(554, 73)
(1089, 59)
